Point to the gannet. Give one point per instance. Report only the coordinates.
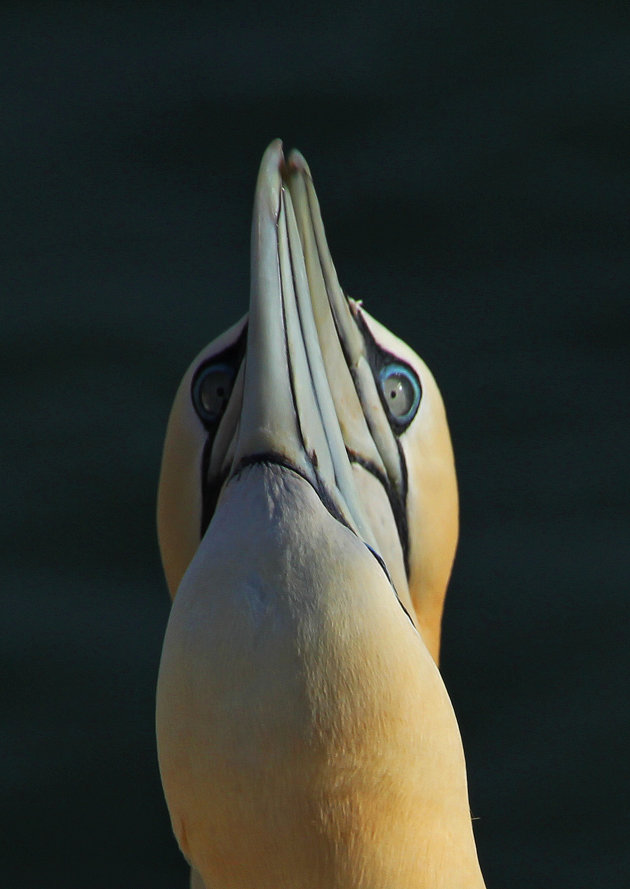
(308, 519)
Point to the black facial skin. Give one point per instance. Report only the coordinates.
(232, 357)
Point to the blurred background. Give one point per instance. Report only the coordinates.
(472, 162)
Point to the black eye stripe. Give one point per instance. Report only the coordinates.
(231, 357)
(380, 360)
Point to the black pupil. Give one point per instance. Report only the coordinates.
(214, 392)
(400, 393)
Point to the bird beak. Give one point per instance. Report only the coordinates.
(296, 378)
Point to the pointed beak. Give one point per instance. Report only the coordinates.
(296, 376)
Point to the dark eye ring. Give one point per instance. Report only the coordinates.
(402, 392)
(211, 391)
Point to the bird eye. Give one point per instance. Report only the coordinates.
(402, 392)
(211, 391)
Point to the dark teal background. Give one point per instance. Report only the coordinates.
(472, 166)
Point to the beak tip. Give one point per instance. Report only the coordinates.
(296, 163)
(273, 150)
(269, 182)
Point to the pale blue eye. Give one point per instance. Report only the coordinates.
(402, 392)
(211, 391)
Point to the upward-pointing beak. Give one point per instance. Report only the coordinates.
(296, 379)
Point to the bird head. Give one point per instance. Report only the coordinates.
(309, 380)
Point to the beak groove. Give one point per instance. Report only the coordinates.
(367, 431)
